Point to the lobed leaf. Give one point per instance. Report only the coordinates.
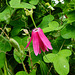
(54, 25)
(65, 53)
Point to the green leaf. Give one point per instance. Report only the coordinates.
(65, 53)
(59, 60)
(47, 29)
(22, 73)
(56, 44)
(25, 73)
(49, 57)
(24, 41)
(18, 39)
(17, 23)
(18, 4)
(21, 41)
(54, 25)
(6, 14)
(60, 27)
(34, 2)
(15, 31)
(61, 65)
(71, 16)
(46, 21)
(68, 32)
(4, 44)
(19, 56)
(44, 68)
(2, 59)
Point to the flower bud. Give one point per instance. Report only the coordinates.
(14, 43)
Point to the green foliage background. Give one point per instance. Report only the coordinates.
(57, 20)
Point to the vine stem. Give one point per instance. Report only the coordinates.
(33, 20)
(30, 54)
(7, 3)
(24, 66)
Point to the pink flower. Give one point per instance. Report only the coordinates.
(39, 41)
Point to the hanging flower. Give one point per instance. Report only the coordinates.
(39, 41)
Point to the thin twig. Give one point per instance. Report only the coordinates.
(4, 33)
(50, 69)
(62, 45)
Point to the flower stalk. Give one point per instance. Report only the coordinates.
(33, 21)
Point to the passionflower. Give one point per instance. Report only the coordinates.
(40, 41)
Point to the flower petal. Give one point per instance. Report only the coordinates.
(44, 39)
(29, 42)
(46, 49)
(35, 43)
(42, 46)
(39, 51)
